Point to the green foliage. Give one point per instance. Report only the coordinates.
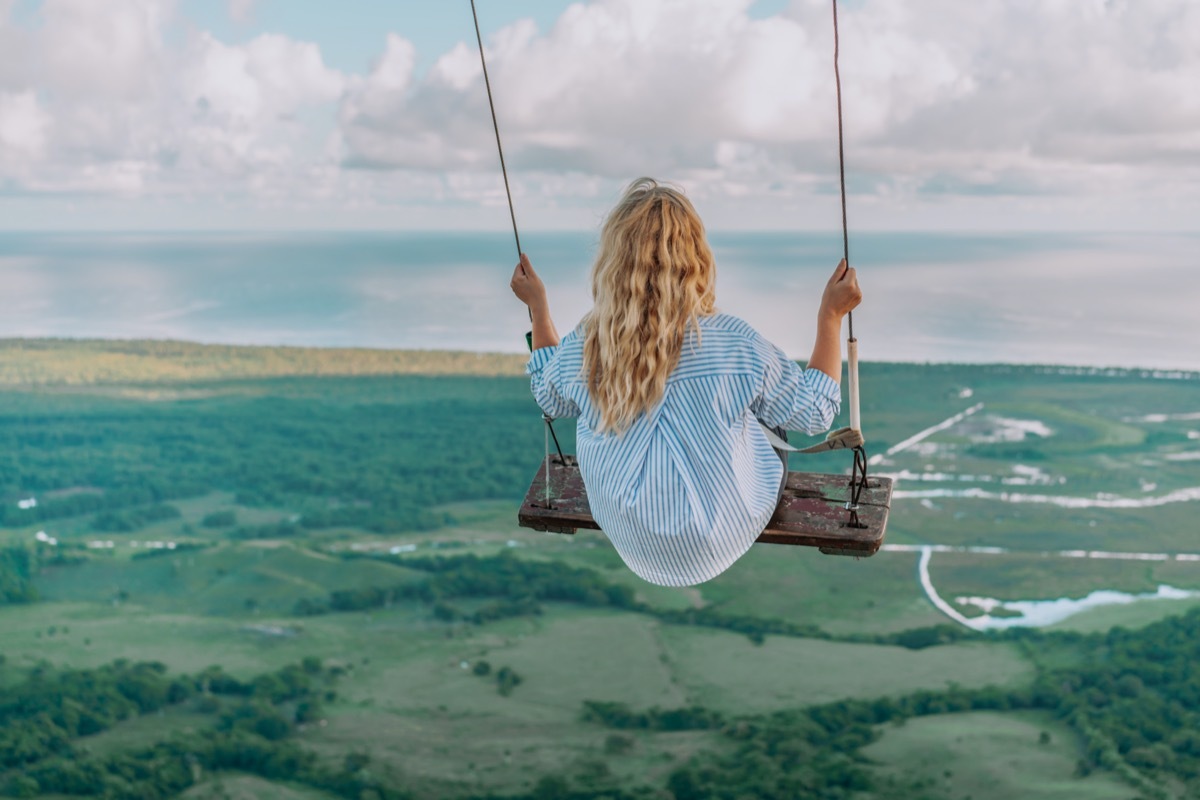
(374, 453)
(17, 565)
(279, 530)
(134, 518)
(520, 583)
(621, 717)
(1135, 703)
(41, 719)
(616, 744)
(219, 519)
(168, 768)
(507, 679)
(260, 718)
(1136, 700)
(308, 711)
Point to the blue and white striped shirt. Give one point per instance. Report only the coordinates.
(686, 490)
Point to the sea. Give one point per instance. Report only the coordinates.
(1080, 299)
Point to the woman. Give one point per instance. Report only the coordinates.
(672, 397)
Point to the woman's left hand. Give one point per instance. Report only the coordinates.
(527, 286)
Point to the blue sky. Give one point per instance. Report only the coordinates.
(145, 114)
(351, 37)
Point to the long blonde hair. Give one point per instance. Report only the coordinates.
(654, 277)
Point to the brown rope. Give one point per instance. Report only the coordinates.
(837, 79)
(496, 127)
(516, 236)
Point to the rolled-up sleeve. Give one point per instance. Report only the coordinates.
(547, 389)
(796, 399)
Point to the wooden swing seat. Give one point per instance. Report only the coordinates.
(811, 513)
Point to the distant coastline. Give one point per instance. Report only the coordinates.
(33, 362)
(88, 362)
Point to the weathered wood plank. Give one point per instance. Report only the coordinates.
(811, 513)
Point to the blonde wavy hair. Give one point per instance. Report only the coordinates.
(654, 277)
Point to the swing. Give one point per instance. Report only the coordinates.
(812, 512)
(839, 514)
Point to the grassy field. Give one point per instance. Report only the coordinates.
(228, 420)
(986, 756)
(1019, 576)
(1137, 615)
(875, 595)
(726, 672)
(250, 787)
(225, 580)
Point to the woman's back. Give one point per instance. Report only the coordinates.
(685, 490)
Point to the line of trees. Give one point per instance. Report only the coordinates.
(44, 719)
(523, 584)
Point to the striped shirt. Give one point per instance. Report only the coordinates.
(686, 490)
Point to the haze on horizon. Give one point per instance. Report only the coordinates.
(266, 114)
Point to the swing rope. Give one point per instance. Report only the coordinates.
(837, 81)
(496, 127)
(516, 237)
(858, 474)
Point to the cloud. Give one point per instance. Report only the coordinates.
(941, 97)
(109, 102)
(945, 101)
(23, 124)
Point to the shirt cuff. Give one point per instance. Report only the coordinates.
(540, 358)
(823, 385)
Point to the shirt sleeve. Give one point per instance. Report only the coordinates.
(792, 398)
(547, 389)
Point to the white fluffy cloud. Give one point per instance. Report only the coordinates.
(1019, 101)
(101, 100)
(23, 124)
(941, 97)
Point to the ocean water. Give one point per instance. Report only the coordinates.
(1079, 299)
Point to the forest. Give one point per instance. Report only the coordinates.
(248, 573)
(1137, 716)
(343, 462)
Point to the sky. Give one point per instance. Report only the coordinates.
(1065, 115)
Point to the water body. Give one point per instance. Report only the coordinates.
(1122, 300)
(1039, 613)
(1034, 613)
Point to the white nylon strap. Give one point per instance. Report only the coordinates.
(852, 355)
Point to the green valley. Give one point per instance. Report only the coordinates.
(250, 572)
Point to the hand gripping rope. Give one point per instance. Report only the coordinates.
(516, 236)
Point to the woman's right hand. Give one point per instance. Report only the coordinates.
(527, 286)
(842, 294)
